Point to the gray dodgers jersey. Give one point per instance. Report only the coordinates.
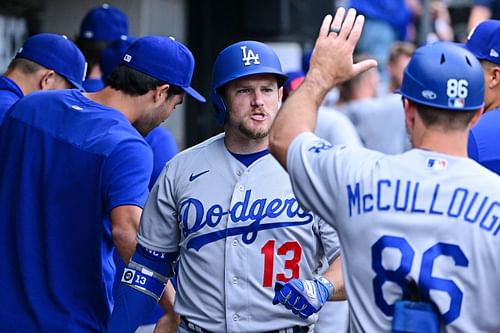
(238, 230)
(419, 215)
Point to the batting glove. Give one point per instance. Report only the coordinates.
(303, 297)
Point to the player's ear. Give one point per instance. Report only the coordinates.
(477, 114)
(47, 80)
(410, 110)
(494, 77)
(160, 93)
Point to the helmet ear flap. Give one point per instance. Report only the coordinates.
(220, 107)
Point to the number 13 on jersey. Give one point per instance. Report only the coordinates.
(291, 249)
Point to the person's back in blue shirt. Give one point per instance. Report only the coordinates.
(484, 139)
(9, 94)
(66, 163)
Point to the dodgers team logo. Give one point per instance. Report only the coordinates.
(246, 218)
(248, 56)
(319, 147)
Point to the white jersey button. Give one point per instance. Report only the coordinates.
(241, 188)
(236, 317)
(239, 172)
(235, 242)
(235, 279)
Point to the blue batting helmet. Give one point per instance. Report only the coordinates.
(239, 60)
(444, 75)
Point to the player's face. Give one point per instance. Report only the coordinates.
(158, 114)
(396, 69)
(253, 103)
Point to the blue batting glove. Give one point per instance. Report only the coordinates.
(303, 297)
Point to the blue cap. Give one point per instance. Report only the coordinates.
(58, 53)
(104, 23)
(165, 59)
(484, 41)
(113, 54)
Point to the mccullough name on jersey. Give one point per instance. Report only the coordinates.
(409, 196)
(246, 216)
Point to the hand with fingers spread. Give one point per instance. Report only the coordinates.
(303, 297)
(332, 59)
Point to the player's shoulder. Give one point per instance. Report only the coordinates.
(199, 153)
(488, 124)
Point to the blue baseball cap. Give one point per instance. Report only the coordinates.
(484, 41)
(165, 59)
(113, 54)
(58, 53)
(104, 23)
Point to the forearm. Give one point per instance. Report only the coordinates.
(170, 320)
(298, 114)
(335, 275)
(478, 14)
(124, 226)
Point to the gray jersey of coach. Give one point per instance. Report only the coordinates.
(237, 230)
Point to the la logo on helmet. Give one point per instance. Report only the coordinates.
(248, 56)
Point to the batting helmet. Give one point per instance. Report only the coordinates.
(239, 60)
(444, 75)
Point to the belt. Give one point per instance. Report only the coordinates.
(192, 326)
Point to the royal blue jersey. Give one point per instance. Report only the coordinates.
(483, 141)
(66, 163)
(9, 94)
(164, 147)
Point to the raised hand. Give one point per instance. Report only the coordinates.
(332, 58)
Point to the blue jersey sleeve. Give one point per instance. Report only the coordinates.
(126, 174)
(164, 147)
(472, 147)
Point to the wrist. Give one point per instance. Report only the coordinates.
(328, 285)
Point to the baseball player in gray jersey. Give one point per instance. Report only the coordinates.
(225, 207)
(419, 230)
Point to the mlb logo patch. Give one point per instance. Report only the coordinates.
(435, 163)
(456, 102)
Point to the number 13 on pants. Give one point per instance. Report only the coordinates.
(291, 268)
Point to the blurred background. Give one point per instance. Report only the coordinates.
(207, 26)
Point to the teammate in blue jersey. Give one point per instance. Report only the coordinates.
(44, 62)
(419, 231)
(161, 141)
(484, 43)
(225, 209)
(69, 160)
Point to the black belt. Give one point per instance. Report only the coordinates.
(196, 328)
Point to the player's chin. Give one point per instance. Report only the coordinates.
(256, 132)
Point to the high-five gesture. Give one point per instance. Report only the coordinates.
(331, 63)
